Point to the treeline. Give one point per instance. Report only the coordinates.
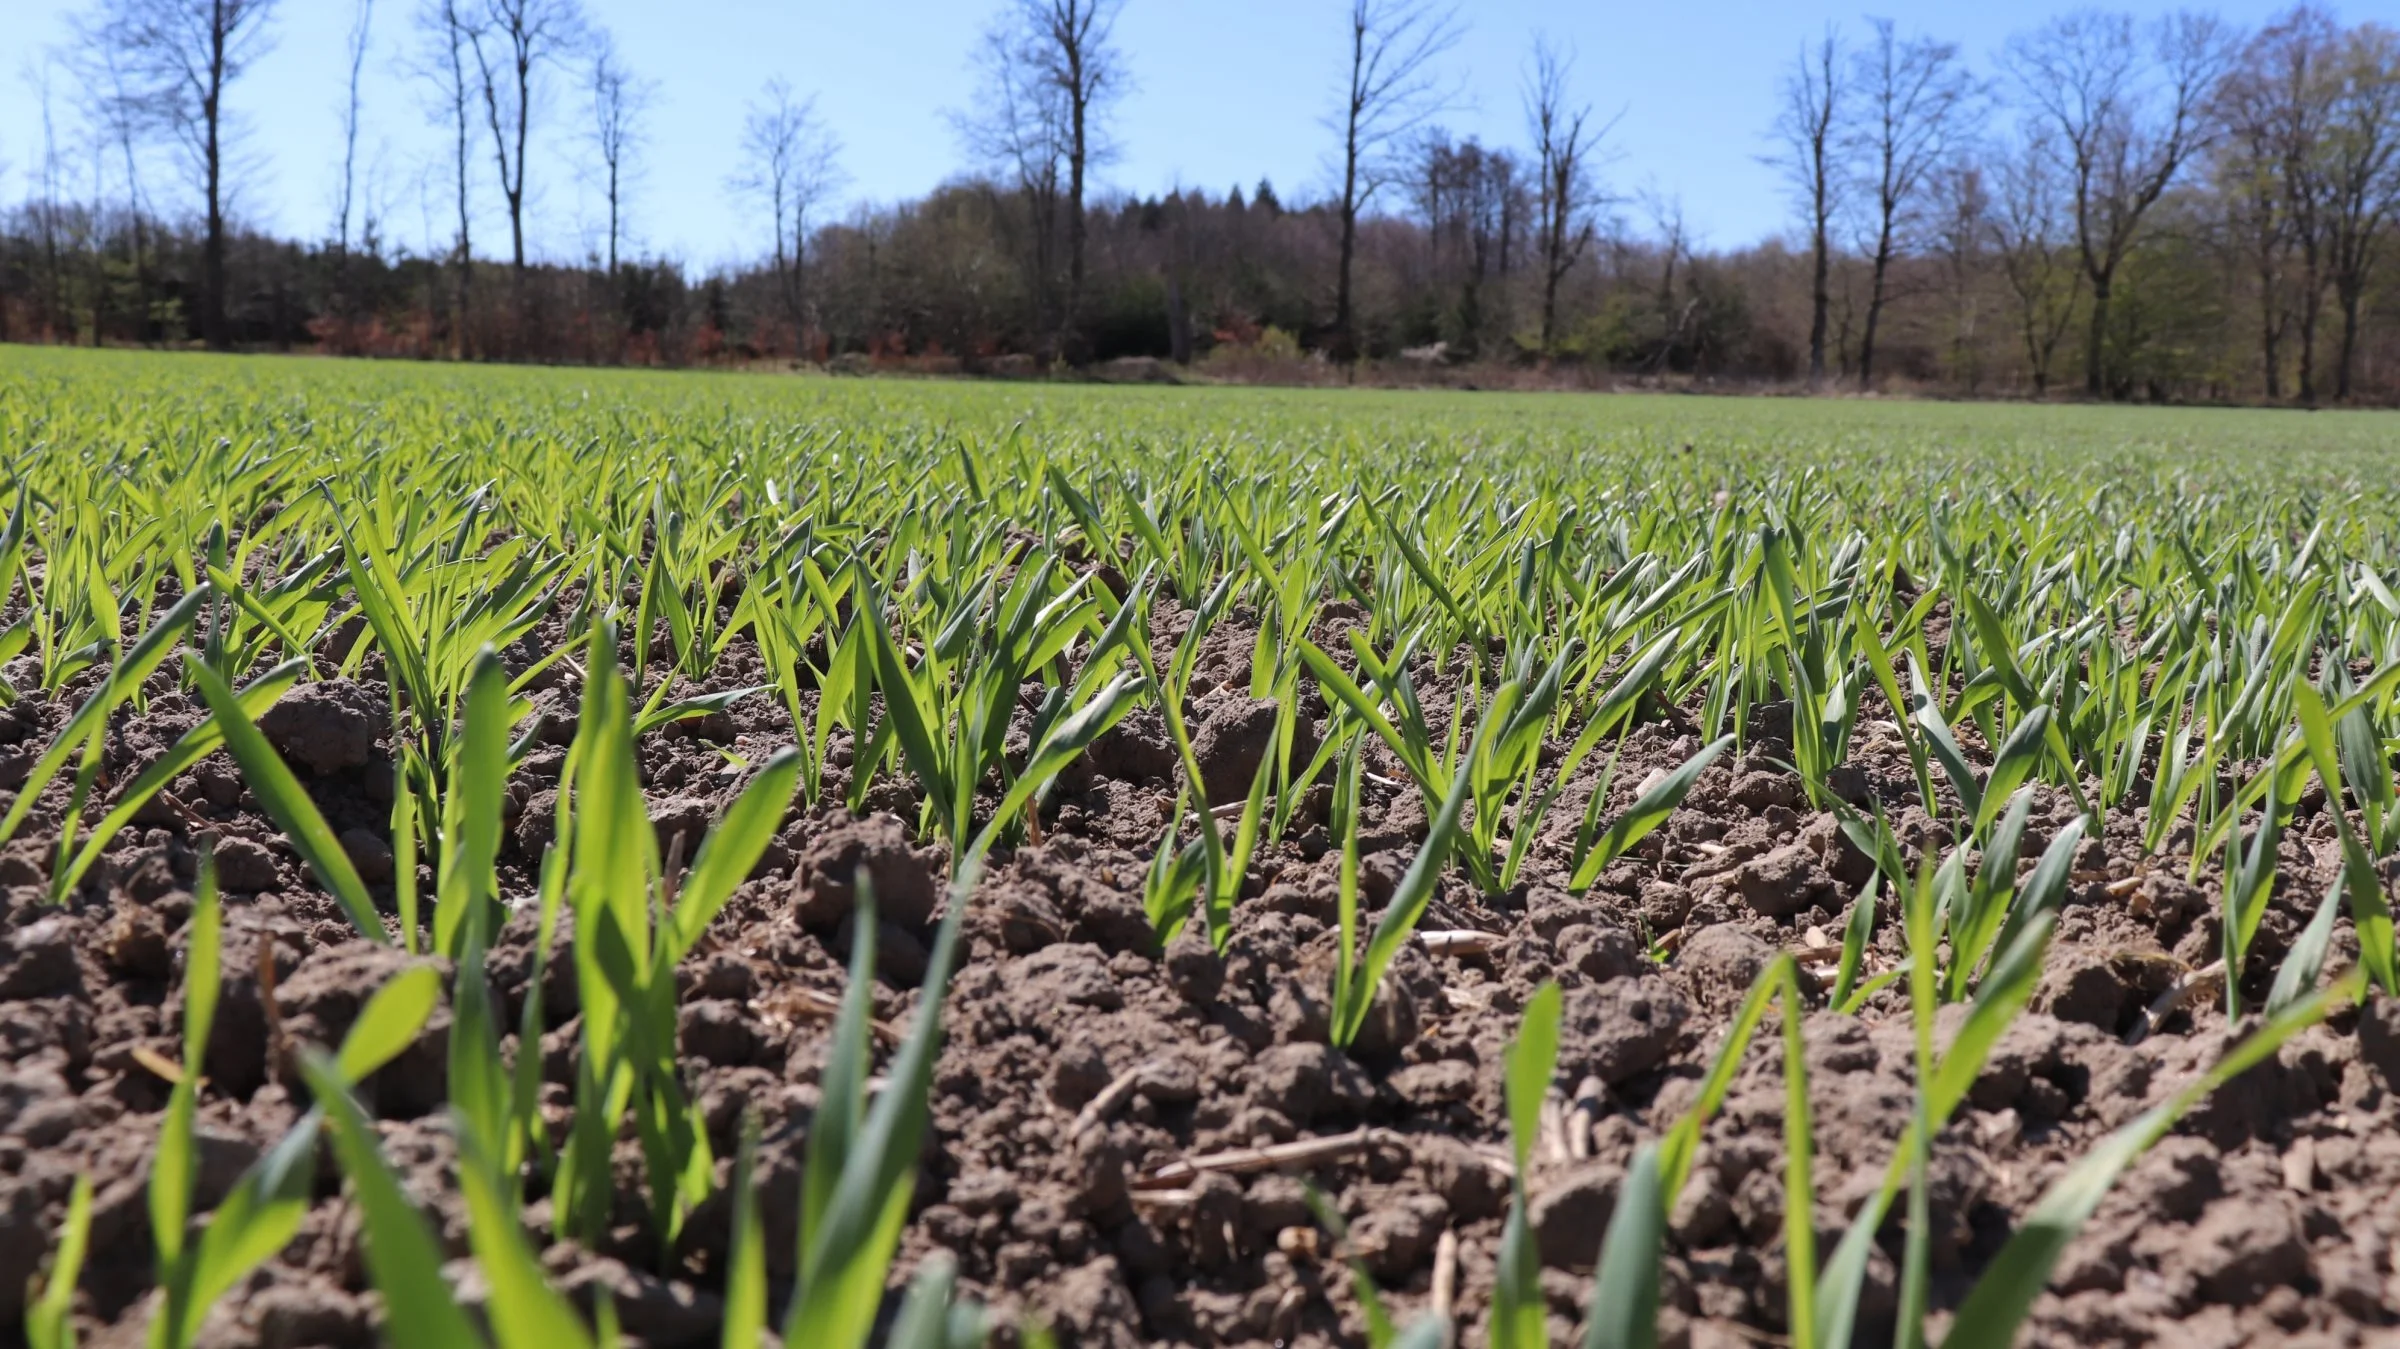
(2169, 210)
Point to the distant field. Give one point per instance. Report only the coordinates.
(1756, 431)
(698, 852)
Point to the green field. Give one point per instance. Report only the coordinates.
(222, 392)
(2171, 636)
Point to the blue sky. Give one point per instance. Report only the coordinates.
(1225, 92)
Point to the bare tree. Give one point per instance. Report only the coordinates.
(2128, 115)
(1809, 125)
(1018, 126)
(1392, 90)
(360, 30)
(1914, 95)
(1564, 141)
(1473, 203)
(1674, 246)
(1962, 206)
(2247, 168)
(2032, 231)
(512, 42)
(1067, 46)
(788, 166)
(1049, 72)
(2278, 106)
(120, 118)
(446, 27)
(180, 57)
(48, 210)
(619, 98)
(2362, 175)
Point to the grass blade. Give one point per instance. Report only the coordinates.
(389, 1023)
(1518, 1309)
(1799, 1190)
(730, 850)
(524, 1308)
(403, 1258)
(746, 1263)
(846, 1257)
(1625, 1290)
(137, 666)
(1857, 930)
(1647, 813)
(2306, 960)
(50, 1320)
(287, 803)
(255, 698)
(1400, 916)
(1681, 1147)
(1996, 1308)
(468, 889)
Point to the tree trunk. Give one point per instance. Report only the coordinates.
(2270, 333)
(2312, 300)
(99, 267)
(1820, 300)
(1080, 105)
(516, 192)
(1549, 309)
(212, 265)
(1179, 322)
(466, 238)
(1866, 342)
(799, 286)
(2346, 355)
(1342, 336)
(2094, 365)
(612, 216)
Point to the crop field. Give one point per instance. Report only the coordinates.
(539, 858)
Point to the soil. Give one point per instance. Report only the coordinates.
(1084, 1064)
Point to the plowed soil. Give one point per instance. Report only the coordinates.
(1097, 1094)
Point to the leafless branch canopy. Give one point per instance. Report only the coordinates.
(619, 99)
(790, 165)
(1394, 88)
(512, 41)
(1564, 141)
(2124, 126)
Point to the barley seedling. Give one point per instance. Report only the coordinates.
(861, 1165)
(1355, 984)
(286, 801)
(49, 1319)
(85, 731)
(1518, 1309)
(263, 1211)
(1596, 848)
(191, 747)
(625, 962)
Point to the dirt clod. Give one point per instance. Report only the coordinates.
(245, 865)
(1231, 744)
(327, 727)
(1569, 1213)
(824, 881)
